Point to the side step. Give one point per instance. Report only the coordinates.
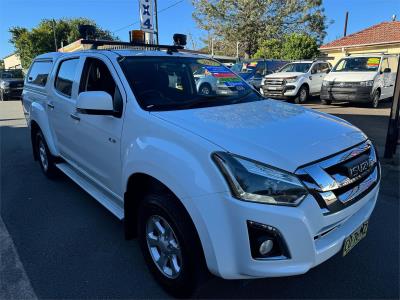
(108, 201)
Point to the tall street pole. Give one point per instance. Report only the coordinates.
(156, 15)
(54, 35)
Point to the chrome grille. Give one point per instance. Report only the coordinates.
(331, 184)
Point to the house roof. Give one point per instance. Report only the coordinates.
(382, 33)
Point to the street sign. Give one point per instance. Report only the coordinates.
(146, 15)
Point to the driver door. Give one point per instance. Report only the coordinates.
(316, 77)
(99, 136)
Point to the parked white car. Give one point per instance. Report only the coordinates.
(361, 78)
(240, 185)
(296, 80)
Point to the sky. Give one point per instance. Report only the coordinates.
(118, 14)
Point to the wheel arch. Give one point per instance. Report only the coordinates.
(138, 185)
(39, 120)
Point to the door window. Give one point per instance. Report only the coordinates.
(39, 72)
(384, 65)
(323, 68)
(97, 77)
(65, 76)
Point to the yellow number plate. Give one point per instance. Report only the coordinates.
(354, 238)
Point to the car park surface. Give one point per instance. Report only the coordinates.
(66, 239)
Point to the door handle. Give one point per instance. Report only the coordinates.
(75, 117)
(50, 105)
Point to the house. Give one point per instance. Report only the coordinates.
(380, 38)
(12, 61)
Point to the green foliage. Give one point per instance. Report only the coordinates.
(299, 46)
(293, 46)
(251, 21)
(30, 43)
(269, 49)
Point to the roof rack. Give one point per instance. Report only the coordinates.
(116, 45)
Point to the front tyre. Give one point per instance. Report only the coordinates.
(326, 102)
(302, 95)
(45, 158)
(205, 89)
(375, 99)
(169, 244)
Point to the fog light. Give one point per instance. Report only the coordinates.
(266, 247)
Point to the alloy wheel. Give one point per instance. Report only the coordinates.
(43, 155)
(163, 246)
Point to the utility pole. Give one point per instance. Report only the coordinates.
(212, 46)
(237, 49)
(54, 35)
(345, 23)
(156, 15)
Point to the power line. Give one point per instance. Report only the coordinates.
(158, 12)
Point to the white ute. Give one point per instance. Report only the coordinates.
(238, 185)
(296, 80)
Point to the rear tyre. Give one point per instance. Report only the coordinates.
(326, 102)
(170, 244)
(302, 95)
(45, 158)
(375, 99)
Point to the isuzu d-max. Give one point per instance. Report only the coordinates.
(236, 185)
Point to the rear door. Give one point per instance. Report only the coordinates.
(61, 104)
(99, 151)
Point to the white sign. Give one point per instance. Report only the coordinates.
(146, 15)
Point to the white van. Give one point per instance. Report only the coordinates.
(361, 78)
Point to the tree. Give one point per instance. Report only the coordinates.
(1, 64)
(293, 46)
(271, 48)
(30, 43)
(251, 21)
(299, 46)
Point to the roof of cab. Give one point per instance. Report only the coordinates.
(116, 53)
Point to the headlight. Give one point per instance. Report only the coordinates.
(367, 83)
(256, 182)
(5, 84)
(292, 79)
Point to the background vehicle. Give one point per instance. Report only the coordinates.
(253, 71)
(239, 185)
(11, 84)
(361, 78)
(216, 80)
(296, 80)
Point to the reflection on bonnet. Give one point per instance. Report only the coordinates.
(250, 115)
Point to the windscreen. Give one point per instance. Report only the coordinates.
(296, 67)
(171, 83)
(358, 64)
(11, 74)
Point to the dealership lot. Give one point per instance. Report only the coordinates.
(71, 247)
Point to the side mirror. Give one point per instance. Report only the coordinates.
(387, 70)
(95, 103)
(327, 71)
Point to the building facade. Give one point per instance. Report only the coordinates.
(380, 38)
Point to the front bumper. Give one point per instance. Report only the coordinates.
(352, 94)
(283, 92)
(226, 238)
(13, 92)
